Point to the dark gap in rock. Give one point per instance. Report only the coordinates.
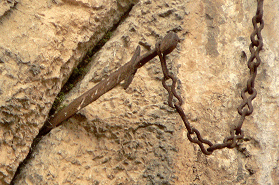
(76, 76)
(80, 71)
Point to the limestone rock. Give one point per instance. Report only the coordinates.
(6, 5)
(133, 137)
(40, 43)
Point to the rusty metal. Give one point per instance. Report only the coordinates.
(167, 45)
(126, 72)
(235, 133)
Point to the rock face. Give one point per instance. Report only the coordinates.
(40, 43)
(132, 136)
(6, 6)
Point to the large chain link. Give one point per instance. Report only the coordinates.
(245, 108)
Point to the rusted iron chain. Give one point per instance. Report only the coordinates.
(258, 43)
(163, 48)
(126, 72)
(235, 133)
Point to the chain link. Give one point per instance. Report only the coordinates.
(163, 48)
(244, 109)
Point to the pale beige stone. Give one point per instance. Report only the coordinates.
(40, 43)
(6, 5)
(133, 137)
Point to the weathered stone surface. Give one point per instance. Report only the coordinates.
(6, 5)
(133, 137)
(40, 43)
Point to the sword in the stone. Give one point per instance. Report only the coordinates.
(126, 72)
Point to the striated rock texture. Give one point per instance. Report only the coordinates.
(40, 43)
(132, 136)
